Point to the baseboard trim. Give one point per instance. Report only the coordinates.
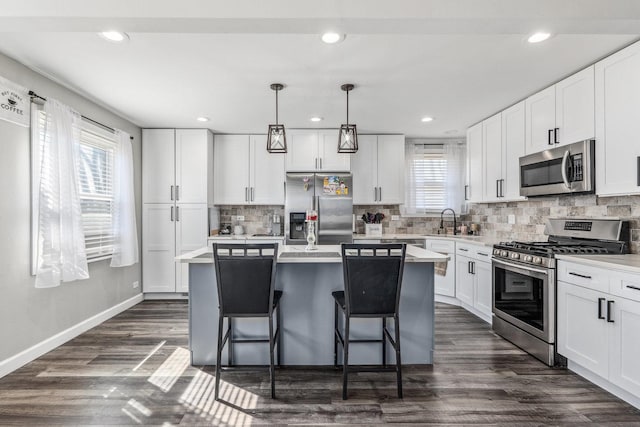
(604, 384)
(166, 296)
(447, 300)
(19, 360)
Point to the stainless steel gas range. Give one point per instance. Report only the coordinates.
(524, 279)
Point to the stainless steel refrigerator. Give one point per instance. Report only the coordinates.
(330, 194)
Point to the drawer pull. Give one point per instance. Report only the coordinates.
(463, 249)
(580, 275)
(483, 254)
(600, 301)
(635, 288)
(609, 310)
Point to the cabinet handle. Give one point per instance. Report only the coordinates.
(502, 188)
(177, 213)
(315, 159)
(635, 288)
(638, 171)
(580, 275)
(252, 198)
(600, 300)
(379, 194)
(171, 213)
(320, 162)
(177, 192)
(555, 135)
(246, 194)
(609, 311)
(549, 137)
(469, 267)
(483, 254)
(497, 188)
(463, 249)
(375, 194)
(172, 192)
(466, 187)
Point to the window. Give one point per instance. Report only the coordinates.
(435, 176)
(95, 185)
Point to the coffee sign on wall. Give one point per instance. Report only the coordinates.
(14, 103)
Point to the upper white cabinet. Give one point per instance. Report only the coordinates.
(309, 150)
(246, 173)
(513, 143)
(562, 113)
(177, 166)
(474, 186)
(377, 170)
(492, 157)
(617, 124)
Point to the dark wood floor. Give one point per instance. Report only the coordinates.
(134, 369)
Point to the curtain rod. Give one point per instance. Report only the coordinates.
(32, 94)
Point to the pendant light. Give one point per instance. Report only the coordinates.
(276, 138)
(348, 138)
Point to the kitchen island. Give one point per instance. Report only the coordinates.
(307, 280)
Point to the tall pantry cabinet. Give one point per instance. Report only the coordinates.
(177, 178)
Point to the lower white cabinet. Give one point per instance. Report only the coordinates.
(170, 230)
(598, 329)
(444, 284)
(474, 285)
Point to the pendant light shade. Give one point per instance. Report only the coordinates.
(276, 137)
(348, 138)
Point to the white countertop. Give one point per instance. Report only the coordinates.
(629, 263)
(243, 237)
(479, 240)
(414, 254)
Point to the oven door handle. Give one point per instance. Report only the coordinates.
(565, 160)
(520, 268)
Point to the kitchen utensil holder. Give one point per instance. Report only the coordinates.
(373, 230)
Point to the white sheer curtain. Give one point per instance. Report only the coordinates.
(456, 153)
(61, 248)
(125, 247)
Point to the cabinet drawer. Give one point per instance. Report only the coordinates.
(625, 285)
(441, 246)
(583, 275)
(465, 249)
(482, 253)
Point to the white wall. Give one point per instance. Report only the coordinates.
(29, 315)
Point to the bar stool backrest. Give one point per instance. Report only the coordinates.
(372, 278)
(246, 278)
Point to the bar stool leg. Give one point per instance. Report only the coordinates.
(230, 343)
(396, 321)
(335, 335)
(345, 361)
(384, 342)
(279, 343)
(219, 355)
(271, 365)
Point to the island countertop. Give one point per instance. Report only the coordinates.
(324, 254)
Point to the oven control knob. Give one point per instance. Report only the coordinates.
(515, 255)
(537, 260)
(496, 252)
(528, 258)
(504, 253)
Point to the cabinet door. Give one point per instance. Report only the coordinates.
(158, 164)
(582, 336)
(483, 295)
(464, 280)
(193, 157)
(474, 163)
(541, 118)
(266, 173)
(391, 168)
(492, 157)
(625, 346)
(364, 166)
(231, 170)
(575, 106)
(191, 234)
(617, 124)
(330, 159)
(513, 141)
(158, 248)
(444, 284)
(302, 151)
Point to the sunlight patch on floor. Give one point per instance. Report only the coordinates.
(170, 371)
(151, 353)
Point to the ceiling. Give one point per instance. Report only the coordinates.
(458, 61)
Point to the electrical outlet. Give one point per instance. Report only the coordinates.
(395, 217)
(240, 217)
(511, 219)
(135, 284)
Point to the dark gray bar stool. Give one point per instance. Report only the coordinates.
(372, 282)
(246, 279)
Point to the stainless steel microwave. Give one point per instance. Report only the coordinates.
(561, 170)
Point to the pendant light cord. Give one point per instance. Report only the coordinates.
(347, 108)
(277, 107)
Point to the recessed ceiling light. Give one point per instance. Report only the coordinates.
(427, 119)
(114, 36)
(316, 119)
(538, 37)
(203, 119)
(331, 37)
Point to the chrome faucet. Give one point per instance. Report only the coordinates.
(455, 226)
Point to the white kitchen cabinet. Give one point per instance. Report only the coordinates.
(315, 151)
(444, 285)
(617, 125)
(474, 185)
(561, 114)
(474, 279)
(464, 279)
(177, 180)
(246, 173)
(377, 170)
(624, 369)
(513, 147)
(492, 158)
(483, 287)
